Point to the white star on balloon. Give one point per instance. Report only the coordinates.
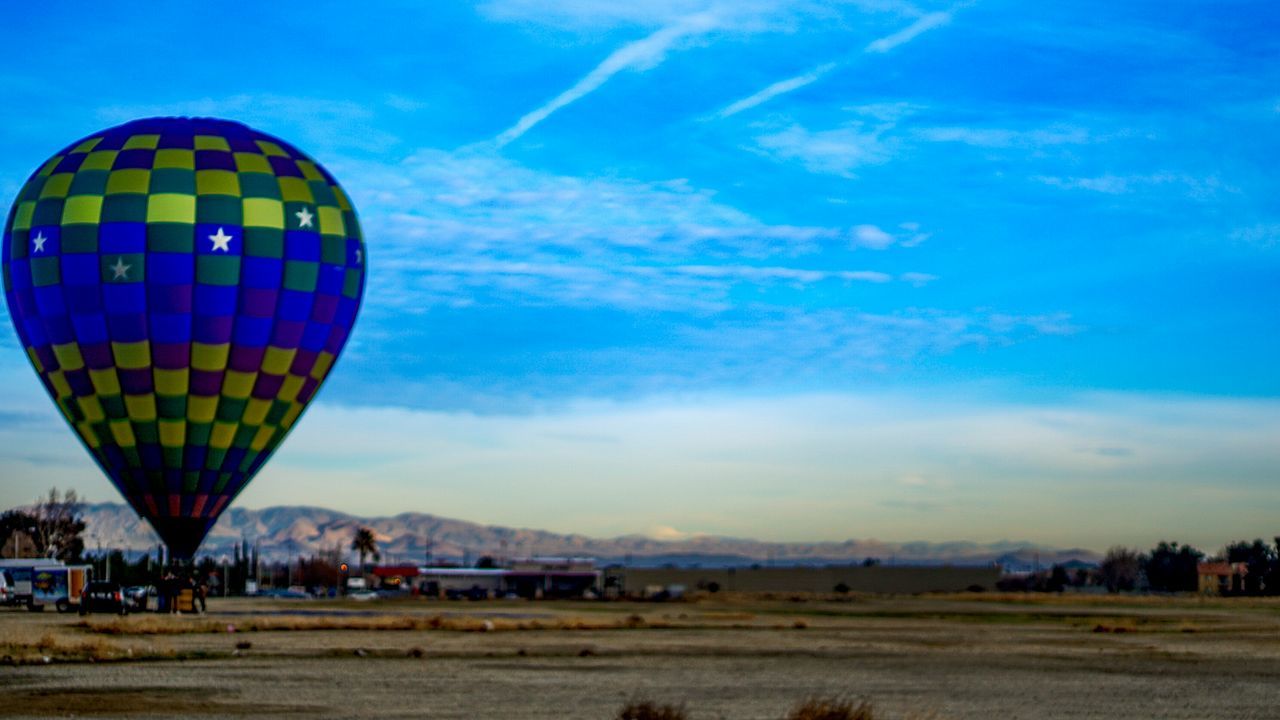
(220, 241)
(304, 217)
(39, 240)
(120, 269)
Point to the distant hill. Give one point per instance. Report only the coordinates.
(289, 531)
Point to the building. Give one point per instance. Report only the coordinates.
(1222, 578)
(527, 578)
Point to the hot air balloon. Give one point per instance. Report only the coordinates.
(182, 287)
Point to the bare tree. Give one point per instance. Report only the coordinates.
(1120, 569)
(59, 526)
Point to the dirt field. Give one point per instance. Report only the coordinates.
(931, 657)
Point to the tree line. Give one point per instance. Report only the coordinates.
(1169, 567)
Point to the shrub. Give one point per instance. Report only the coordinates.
(648, 710)
(831, 709)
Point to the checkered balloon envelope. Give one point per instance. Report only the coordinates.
(182, 287)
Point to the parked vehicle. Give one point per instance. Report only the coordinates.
(7, 596)
(139, 596)
(104, 597)
(37, 582)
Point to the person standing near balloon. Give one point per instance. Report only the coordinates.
(182, 287)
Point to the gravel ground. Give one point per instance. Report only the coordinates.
(935, 658)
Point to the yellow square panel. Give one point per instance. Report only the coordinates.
(22, 216)
(309, 170)
(238, 385)
(171, 382)
(252, 162)
(92, 409)
(263, 212)
(209, 357)
(173, 433)
(276, 361)
(130, 180)
(262, 437)
(122, 431)
(132, 356)
(82, 209)
(175, 158)
(324, 361)
(294, 189)
(142, 142)
(60, 384)
(68, 355)
(171, 207)
(56, 186)
(99, 160)
(212, 142)
(86, 145)
(105, 381)
(217, 182)
(255, 411)
(331, 221)
(141, 408)
(270, 148)
(222, 435)
(201, 409)
(289, 389)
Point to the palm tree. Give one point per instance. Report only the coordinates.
(366, 544)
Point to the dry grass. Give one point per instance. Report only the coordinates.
(49, 648)
(166, 625)
(1140, 601)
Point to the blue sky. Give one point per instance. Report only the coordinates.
(790, 270)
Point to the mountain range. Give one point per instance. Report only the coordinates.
(283, 532)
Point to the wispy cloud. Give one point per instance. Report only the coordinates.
(779, 88)
(870, 236)
(1195, 187)
(840, 151)
(1005, 138)
(909, 33)
(1263, 235)
(917, 279)
(640, 55)
(880, 45)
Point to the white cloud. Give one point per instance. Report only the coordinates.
(917, 279)
(779, 88)
(738, 16)
(870, 236)
(874, 238)
(1195, 187)
(1005, 138)
(837, 152)
(909, 33)
(640, 55)
(456, 225)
